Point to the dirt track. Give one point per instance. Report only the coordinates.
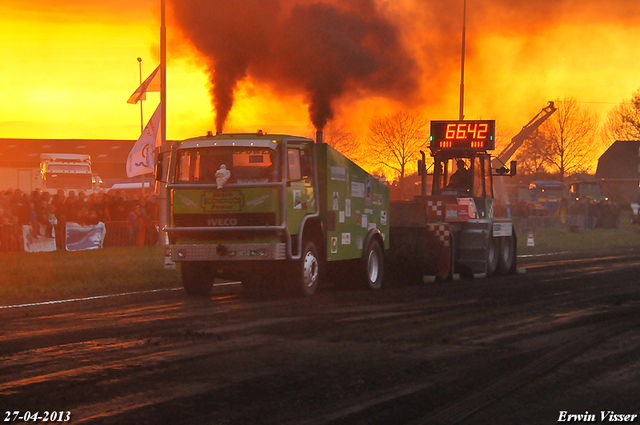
(515, 350)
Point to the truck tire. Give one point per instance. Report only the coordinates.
(373, 262)
(507, 257)
(493, 255)
(197, 278)
(307, 272)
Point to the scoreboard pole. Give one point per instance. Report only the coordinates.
(464, 31)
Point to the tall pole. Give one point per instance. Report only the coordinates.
(163, 211)
(163, 76)
(141, 117)
(464, 30)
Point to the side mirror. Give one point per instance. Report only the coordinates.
(511, 171)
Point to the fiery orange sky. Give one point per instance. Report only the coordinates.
(67, 69)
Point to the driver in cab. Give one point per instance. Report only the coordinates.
(462, 177)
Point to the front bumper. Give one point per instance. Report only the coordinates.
(229, 252)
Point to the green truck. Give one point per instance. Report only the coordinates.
(278, 209)
(256, 206)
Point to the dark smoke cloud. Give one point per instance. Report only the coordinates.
(349, 49)
(230, 35)
(321, 49)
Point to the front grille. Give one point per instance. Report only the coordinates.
(224, 220)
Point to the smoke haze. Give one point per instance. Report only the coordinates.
(319, 49)
(405, 50)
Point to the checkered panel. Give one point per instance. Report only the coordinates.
(435, 210)
(442, 232)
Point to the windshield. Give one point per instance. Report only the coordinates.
(225, 165)
(68, 181)
(454, 176)
(71, 168)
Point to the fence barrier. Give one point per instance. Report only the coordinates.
(10, 237)
(121, 233)
(118, 233)
(569, 222)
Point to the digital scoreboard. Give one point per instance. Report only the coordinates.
(467, 135)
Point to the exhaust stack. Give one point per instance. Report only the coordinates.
(319, 136)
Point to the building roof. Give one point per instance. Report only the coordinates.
(24, 152)
(620, 161)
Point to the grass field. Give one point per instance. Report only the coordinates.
(557, 240)
(47, 276)
(44, 276)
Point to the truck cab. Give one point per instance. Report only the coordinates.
(552, 195)
(465, 175)
(67, 172)
(587, 189)
(257, 207)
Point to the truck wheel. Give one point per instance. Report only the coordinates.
(307, 272)
(373, 265)
(493, 254)
(197, 279)
(507, 256)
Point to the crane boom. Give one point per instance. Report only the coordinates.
(499, 161)
(523, 135)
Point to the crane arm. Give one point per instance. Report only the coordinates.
(523, 135)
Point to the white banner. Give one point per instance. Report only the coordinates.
(140, 160)
(37, 241)
(84, 237)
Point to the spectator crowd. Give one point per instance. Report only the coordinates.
(46, 212)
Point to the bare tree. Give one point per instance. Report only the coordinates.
(568, 138)
(533, 154)
(623, 121)
(503, 138)
(344, 141)
(395, 141)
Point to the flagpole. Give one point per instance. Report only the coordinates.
(141, 118)
(163, 213)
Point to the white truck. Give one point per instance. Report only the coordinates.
(66, 171)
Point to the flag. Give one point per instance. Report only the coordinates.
(152, 83)
(140, 160)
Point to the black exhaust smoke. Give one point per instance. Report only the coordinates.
(330, 50)
(323, 49)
